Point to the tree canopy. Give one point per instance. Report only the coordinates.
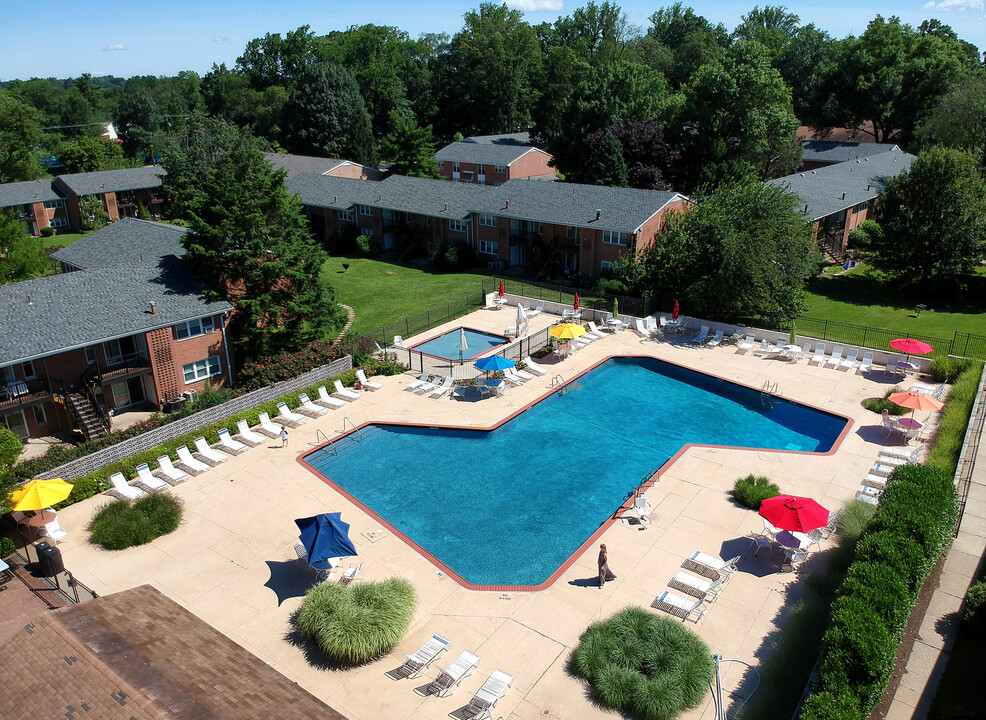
(22, 257)
(20, 132)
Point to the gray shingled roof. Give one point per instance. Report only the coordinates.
(295, 164)
(435, 198)
(92, 183)
(30, 191)
(126, 242)
(68, 311)
(829, 151)
(483, 153)
(830, 189)
(520, 138)
(622, 209)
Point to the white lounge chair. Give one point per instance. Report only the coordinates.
(417, 664)
(122, 487)
(593, 330)
(288, 417)
(709, 566)
(642, 507)
(680, 607)
(935, 391)
(850, 360)
(150, 482)
(191, 464)
(702, 334)
(345, 393)
(511, 374)
(485, 699)
(310, 408)
(536, 311)
(835, 359)
(327, 400)
(525, 376)
(267, 427)
(638, 326)
(53, 531)
(168, 469)
(866, 366)
(748, 342)
(778, 347)
(763, 348)
(351, 574)
(875, 481)
(819, 356)
(427, 387)
(213, 457)
(231, 445)
(450, 679)
(697, 587)
(911, 456)
(415, 384)
(716, 339)
(891, 367)
(244, 433)
(533, 366)
(445, 388)
(367, 384)
(652, 326)
(398, 341)
(738, 332)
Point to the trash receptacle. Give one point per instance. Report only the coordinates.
(50, 559)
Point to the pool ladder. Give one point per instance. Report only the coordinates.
(330, 442)
(557, 381)
(767, 394)
(358, 431)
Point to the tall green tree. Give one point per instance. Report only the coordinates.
(773, 26)
(680, 41)
(88, 154)
(741, 251)
(273, 60)
(798, 64)
(10, 449)
(20, 133)
(606, 165)
(22, 256)
(959, 118)
(326, 116)
(92, 213)
(138, 118)
(596, 33)
(934, 219)
(644, 148)
(248, 240)
(410, 149)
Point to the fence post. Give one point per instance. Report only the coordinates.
(865, 328)
(407, 327)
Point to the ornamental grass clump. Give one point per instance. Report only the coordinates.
(125, 523)
(354, 624)
(644, 664)
(751, 491)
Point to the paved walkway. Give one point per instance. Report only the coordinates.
(232, 561)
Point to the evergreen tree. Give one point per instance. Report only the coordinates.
(607, 166)
(410, 149)
(22, 257)
(20, 132)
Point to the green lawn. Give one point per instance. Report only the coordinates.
(62, 239)
(864, 296)
(383, 292)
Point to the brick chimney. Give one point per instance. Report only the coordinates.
(153, 308)
(599, 214)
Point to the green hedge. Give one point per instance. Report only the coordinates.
(97, 481)
(955, 419)
(124, 523)
(751, 491)
(908, 534)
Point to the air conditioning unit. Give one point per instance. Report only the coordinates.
(190, 395)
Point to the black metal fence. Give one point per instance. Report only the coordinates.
(48, 577)
(565, 294)
(422, 322)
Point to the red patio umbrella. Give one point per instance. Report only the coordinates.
(793, 513)
(576, 303)
(501, 288)
(674, 311)
(911, 346)
(916, 401)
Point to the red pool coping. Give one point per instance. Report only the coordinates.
(506, 341)
(617, 514)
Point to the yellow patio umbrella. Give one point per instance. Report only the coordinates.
(39, 494)
(566, 331)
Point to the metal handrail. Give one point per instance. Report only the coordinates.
(557, 381)
(358, 431)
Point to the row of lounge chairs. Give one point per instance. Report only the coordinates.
(449, 679)
(714, 573)
(431, 385)
(888, 460)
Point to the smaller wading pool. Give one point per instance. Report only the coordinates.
(446, 345)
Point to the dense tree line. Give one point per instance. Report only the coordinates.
(689, 103)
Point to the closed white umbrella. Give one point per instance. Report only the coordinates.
(463, 345)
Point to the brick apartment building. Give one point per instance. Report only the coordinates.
(522, 224)
(822, 153)
(125, 325)
(122, 192)
(297, 164)
(36, 204)
(494, 159)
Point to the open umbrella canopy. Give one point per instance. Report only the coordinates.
(493, 363)
(325, 536)
(793, 513)
(39, 494)
(911, 346)
(566, 331)
(916, 401)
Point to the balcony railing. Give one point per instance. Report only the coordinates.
(125, 365)
(20, 393)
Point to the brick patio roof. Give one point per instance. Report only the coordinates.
(30, 191)
(137, 655)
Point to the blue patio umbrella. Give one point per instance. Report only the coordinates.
(494, 363)
(325, 536)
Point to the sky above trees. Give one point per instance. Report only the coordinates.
(72, 37)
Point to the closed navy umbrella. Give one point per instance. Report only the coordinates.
(325, 536)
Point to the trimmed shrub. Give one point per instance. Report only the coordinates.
(123, 523)
(6, 547)
(10, 447)
(47, 231)
(853, 519)
(355, 624)
(947, 369)
(878, 405)
(650, 666)
(452, 256)
(751, 491)
(955, 420)
(975, 605)
(920, 502)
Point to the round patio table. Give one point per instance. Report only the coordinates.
(910, 423)
(794, 540)
(42, 518)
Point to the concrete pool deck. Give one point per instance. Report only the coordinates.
(232, 561)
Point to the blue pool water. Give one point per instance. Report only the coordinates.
(447, 345)
(509, 506)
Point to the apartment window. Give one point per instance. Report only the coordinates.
(7, 374)
(485, 246)
(40, 418)
(54, 204)
(441, 164)
(201, 370)
(499, 169)
(457, 225)
(16, 423)
(860, 208)
(611, 237)
(455, 167)
(605, 266)
(28, 370)
(90, 354)
(58, 222)
(192, 328)
(368, 232)
(366, 210)
(480, 169)
(487, 220)
(346, 215)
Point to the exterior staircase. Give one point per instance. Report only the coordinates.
(88, 417)
(831, 250)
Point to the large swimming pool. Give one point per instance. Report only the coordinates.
(446, 345)
(508, 507)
